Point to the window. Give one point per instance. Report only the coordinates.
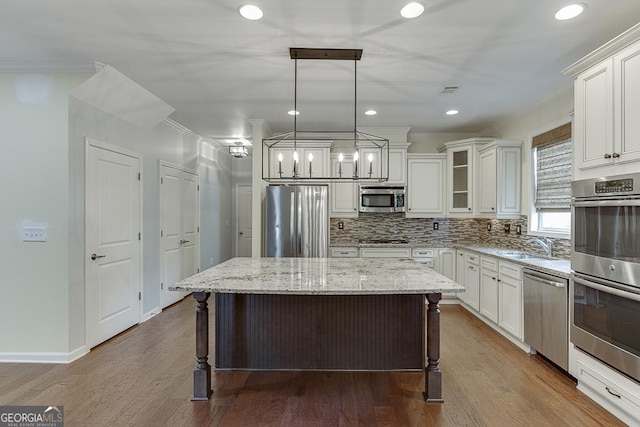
(552, 158)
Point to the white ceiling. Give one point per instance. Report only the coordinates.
(218, 70)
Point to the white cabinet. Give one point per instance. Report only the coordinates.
(461, 169)
(510, 298)
(489, 288)
(343, 195)
(425, 185)
(593, 120)
(461, 273)
(447, 263)
(606, 131)
(613, 391)
(318, 167)
(472, 297)
(487, 177)
(396, 164)
(347, 252)
(499, 178)
(385, 252)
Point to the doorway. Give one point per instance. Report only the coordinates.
(179, 229)
(243, 220)
(113, 208)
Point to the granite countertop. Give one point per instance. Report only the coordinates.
(326, 276)
(555, 266)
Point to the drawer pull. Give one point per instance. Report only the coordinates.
(344, 253)
(612, 393)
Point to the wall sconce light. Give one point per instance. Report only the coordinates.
(238, 150)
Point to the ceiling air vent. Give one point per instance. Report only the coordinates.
(450, 89)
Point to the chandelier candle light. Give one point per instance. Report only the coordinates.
(326, 141)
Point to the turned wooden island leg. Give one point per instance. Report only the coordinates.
(202, 372)
(432, 374)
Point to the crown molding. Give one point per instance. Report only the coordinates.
(605, 51)
(186, 130)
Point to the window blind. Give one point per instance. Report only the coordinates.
(553, 168)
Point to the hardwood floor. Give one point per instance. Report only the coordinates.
(143, 377)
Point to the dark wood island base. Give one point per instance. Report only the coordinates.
(243, 322)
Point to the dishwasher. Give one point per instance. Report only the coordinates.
(546, 319)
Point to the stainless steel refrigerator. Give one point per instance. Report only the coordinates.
(296, 221)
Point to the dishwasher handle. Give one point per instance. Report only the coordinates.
(544, 280)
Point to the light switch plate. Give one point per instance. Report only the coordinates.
(34, 234)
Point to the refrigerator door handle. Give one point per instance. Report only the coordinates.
(292, 222)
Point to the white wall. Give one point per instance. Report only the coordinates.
(34, 188)
(164, 142)
(43, 130)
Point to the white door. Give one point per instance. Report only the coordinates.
(243, 218)
(179, 230)
(113, 224)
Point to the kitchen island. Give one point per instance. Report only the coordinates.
(260, 299)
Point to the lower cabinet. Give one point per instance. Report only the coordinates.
(446, 264)
(493, 293)
(510, 299)
(613, 391)
(385, 252)
(347, 252)
(472, 297)
(489, 288)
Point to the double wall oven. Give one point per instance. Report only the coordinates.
(605, 292)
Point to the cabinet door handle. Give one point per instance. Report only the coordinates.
(612, 393)
(469, 208)
(616, 155)
(607, 156)
(96, 256)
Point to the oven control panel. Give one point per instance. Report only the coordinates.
(614, 186)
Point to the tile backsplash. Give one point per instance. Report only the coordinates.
(451, 231)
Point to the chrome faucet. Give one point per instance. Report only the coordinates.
(545, 243)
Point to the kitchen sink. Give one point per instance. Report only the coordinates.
(520, 255)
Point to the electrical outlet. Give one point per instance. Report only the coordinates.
(518, 229)
(507, 228)
(489, 227)
(436, 226)
(34, 234)
(341, 225)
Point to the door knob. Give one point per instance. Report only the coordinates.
(616, 155)
(607, 156)
(182, 242)
(95, 257)
(241, 233)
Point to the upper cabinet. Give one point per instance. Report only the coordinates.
(374, 167)
(306, 167)
(607, 103)
(461, 169)
(343, 195)
(426, 185)
(499, 178)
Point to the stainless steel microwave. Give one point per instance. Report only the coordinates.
(382, 199)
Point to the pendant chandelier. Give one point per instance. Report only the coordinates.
(361, 157)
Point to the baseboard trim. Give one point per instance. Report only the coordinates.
(43, 357)
(151, 314)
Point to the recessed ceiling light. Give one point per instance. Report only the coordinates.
(412, 10)
(570, 11)
(452, 112)
(371, 112)
(251, 12)
(293, 113)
